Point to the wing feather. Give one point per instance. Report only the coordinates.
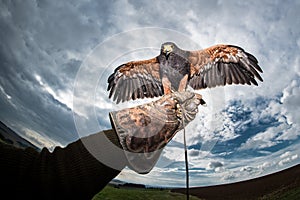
(228, 74)
(140, 88)
(223, 64)
(233, 74)
(116, 94)
(135, 92)
(214, 76)
(129, 91)
(145, 87)
(121, 93)
(136, 79)
(242, 77)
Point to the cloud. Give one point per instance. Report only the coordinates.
(45, 43)
(47, 40)
(4, 93)
(65, 97)
(232, 170)
(216, 166)
(194, 152)
(290, 98)
(264, 139)
(40, 141)
(288, 153)
(286, 111)
(287, 160)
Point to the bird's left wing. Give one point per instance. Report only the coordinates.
(134, 80)
(222, 64)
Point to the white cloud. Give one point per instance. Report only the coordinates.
(288, 153)
(264, 139)
(40, 141)
(286, 160)
(233, 170)
(51, 40)
(214, 165)
(286, 112)
(63, 96)
(294, 157)
(291, 103)
(4, 93)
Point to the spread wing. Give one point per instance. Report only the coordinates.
(136, 79)
(222, 64)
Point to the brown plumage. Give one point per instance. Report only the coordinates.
(175, 68)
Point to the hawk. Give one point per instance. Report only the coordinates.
(174, 69)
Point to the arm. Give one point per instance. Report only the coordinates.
(81, 169)
(66, 173)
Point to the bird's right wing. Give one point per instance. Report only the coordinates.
(136, 79)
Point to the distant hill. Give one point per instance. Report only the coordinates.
(281, 185)
(8, 136)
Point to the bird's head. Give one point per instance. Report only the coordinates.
(167, 48)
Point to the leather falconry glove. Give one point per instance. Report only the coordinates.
(144, 130)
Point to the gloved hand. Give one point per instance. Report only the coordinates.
(144, 130)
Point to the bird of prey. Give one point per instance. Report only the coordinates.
(174, 69)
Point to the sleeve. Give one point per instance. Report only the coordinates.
(66, 173)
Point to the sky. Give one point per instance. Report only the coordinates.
(56, 56)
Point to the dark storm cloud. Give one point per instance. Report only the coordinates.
(47, 39)
(37, 109)
(34, 107)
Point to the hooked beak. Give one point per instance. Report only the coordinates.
(167, 49)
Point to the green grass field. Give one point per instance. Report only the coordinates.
(283, 194)
(111, 193)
